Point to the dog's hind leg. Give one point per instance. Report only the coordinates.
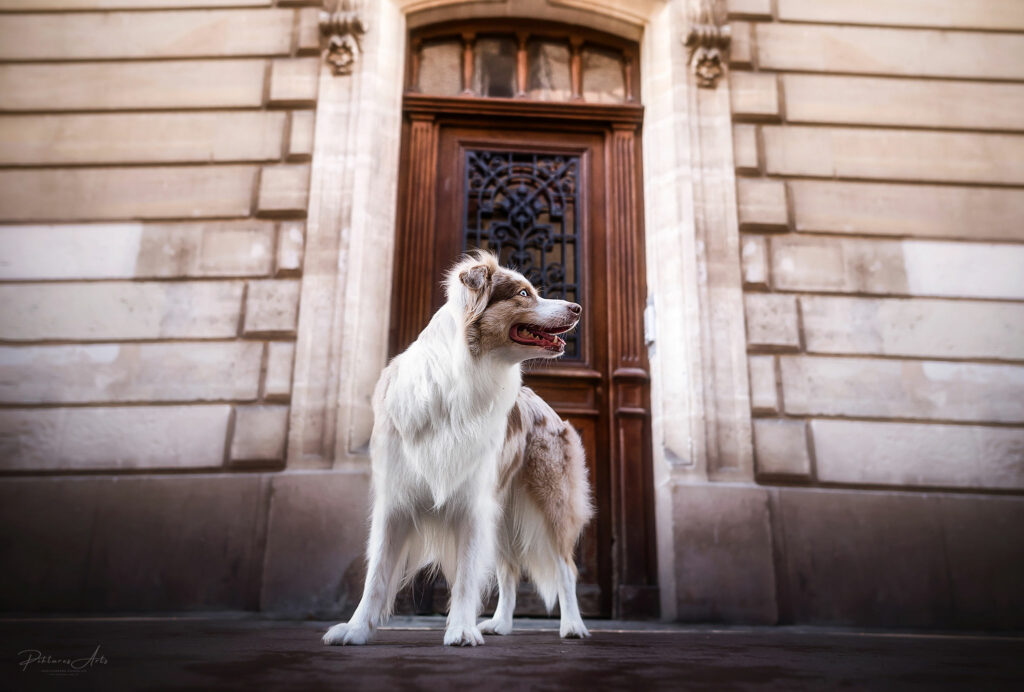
(386, 552)
(571, 626)
(508, 578)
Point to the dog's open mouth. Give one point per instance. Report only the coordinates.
(545, 337)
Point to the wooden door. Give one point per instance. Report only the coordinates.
(556, 198)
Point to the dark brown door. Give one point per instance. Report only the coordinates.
(544, 195)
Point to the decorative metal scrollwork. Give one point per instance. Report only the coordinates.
(525, 208)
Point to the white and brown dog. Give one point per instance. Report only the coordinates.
(470, 468)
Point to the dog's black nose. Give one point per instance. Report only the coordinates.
(576, 308)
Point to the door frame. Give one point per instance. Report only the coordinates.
(701, 427)
(633, 568)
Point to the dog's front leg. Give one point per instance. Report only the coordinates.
(475, 546)
(385, 553)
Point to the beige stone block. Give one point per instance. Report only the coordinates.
(284, 189)
(741, 45)
(984, 548)
(762, 204)
(913, 389)
(754, 256)
(780, 447)
(764, 397)
(125, 193)
(744, 148)
(37, 5)
(120, 310)
(176, 34)
(290, 237)
(133, 543)
(952, 14)
(306, 510)
(723, 554)
(141, 138)
(918, 327)
(897, 52)
(308, 33)
(900, 267)
(965, 270)
(916, 103)
(901, 454)
(136, 250)
(758, 9)
(873, 558)
(131, 85)
(294, 81)
(272, 305)
(300, 141)
(228, 248)
(754, 95)
(113, 438)
(894, 154)
(808, 263)
(198, 371)
(915, 210)
(772, 321)
(260, 433)
(277, 383)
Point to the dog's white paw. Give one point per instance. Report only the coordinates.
(573, 630)
(494, 626)
(456, 635)
(344, 634)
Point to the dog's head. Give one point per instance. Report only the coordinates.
(503, 312)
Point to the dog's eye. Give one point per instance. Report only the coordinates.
(524, 293)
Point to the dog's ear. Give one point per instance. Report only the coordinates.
(475, 278)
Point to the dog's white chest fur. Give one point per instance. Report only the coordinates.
(450, 412)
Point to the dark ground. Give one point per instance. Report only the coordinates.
(259, 654)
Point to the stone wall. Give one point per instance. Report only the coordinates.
(176, 435)
(154, 174)
(153, 183)
(878, 153)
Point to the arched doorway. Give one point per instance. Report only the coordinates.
(524, 139)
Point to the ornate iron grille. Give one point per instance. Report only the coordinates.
(525, 208)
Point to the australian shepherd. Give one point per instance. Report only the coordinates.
(472, 471)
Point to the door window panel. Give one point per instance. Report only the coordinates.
(603, 76)
(524, 207)
(440, 68)
(540, 62)
(494, 72)
(548, 74)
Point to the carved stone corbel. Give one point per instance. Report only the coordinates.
(342, 29)
(708, 42)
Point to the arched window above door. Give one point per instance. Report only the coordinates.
(522, 60)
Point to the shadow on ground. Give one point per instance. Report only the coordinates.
(256, 654)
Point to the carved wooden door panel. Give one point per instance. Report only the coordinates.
(551, 199)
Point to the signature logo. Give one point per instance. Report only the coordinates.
(57, 665)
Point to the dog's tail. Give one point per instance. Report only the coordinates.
(534, 547)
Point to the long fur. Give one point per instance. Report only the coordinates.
(448, 468)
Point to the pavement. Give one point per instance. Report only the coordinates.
(250, 653)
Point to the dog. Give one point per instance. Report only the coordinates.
(460, 448)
